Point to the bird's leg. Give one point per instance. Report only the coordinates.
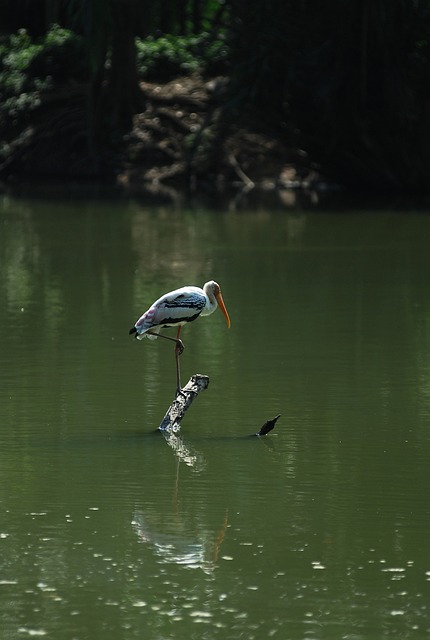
(178, 350)
(179, 343)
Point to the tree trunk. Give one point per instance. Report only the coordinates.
(123, 86)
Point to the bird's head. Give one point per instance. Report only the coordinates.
(212, 289)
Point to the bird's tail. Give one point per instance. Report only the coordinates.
(142, 334)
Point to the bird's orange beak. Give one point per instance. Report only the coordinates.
(222, 307)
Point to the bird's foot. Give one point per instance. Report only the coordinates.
(179, 348)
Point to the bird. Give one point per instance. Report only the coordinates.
(176, 308)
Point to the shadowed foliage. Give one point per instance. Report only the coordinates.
(345, 81)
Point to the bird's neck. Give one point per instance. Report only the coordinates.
(211, 304)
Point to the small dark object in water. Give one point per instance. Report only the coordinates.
(267, 427)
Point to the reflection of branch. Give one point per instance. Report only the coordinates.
(192, 458)
(184, 397)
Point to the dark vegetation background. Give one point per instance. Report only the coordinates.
(206, 93)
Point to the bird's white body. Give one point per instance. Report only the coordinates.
(178, 307)
(175, 309)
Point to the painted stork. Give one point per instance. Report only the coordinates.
(175, 309)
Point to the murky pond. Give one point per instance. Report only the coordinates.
(321, 530)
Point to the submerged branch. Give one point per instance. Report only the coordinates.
(268, 426)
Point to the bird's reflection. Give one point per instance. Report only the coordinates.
(172, 535)
(173, 542)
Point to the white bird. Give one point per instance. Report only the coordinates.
(175, 309)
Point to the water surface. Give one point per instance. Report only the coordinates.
(319, 531)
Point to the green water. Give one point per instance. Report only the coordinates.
(320, 531)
